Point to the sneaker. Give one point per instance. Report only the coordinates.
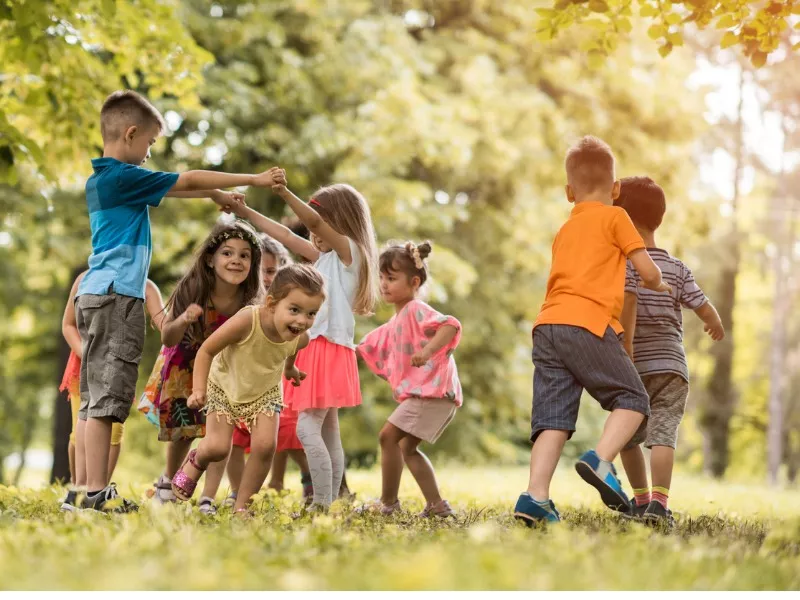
(603, 477)
(442, 510)
(70, 502)
(162, 491)
(108, 501)
(657, 514)
(206, 506)
(635, 512)
(230, 501)
(529, 511)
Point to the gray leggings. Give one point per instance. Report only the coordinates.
(318, 430)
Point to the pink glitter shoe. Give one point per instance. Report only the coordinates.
(182, 485)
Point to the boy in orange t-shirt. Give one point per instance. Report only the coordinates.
(577, 337)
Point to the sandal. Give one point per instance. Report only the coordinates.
(182, 485)
(441, 509)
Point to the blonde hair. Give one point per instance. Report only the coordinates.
(296, 277)
(590, 165)
(343, 208)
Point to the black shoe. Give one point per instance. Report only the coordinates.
(657, 514)
(109, 501)
(635, 512)
(70, 503)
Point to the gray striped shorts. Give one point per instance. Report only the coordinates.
(569, 359)
(668, 394)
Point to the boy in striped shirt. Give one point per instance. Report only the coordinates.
(654, 340)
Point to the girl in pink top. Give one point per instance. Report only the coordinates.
(414, 353)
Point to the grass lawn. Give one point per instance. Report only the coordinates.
(728, 536)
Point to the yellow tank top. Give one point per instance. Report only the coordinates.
(249, 369)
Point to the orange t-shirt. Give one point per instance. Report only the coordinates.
(586, 287)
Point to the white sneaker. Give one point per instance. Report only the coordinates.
(206, 505)
(163, 491)
(230, 501)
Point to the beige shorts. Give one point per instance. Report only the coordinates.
(424, 418)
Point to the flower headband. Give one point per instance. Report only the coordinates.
(239, 234)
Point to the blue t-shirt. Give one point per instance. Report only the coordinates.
(119, 197)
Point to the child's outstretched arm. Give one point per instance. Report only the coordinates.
(211, 181)
(648, 271)
(232, 331)
(713, 324)
(290, 371)
(628, 321)
(173, 328)
(281, 233)
(69, 325)
(154, 304)
(316, 224)
(443, 336)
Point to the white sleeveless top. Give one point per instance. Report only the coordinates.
(335, 320)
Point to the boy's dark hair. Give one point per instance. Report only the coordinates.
(643, 200)
(291, 277)
(590, 165)
(406, 257)
(124, 109)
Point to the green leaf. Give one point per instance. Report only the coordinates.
(665, 50)
(656, 31)
(728, 40)
(673, 18)
(624, 25)
(726, 21)
(648, 10)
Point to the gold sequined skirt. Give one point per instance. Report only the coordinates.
(269, 403)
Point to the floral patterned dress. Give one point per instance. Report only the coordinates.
(170, 385)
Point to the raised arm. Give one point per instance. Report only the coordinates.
(648, 271)
(316, 224)
(713, 324)
(154, 304)
(173, 327)
(279, 232)
(69, 326)
(233, 331)
(628, 321)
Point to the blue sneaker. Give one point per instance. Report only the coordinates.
(529, 511)
(603, 477)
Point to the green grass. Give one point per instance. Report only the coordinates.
(729, 536)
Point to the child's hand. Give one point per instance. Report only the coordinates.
(197, 400)
(295, 375)
(715, 330)
(192, 313)
(420, 358)
(275, 176)
(228, 201)
(661, 287)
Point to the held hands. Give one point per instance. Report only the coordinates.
(228, 201)
(295, 375)
(420, 358)
(275, 176)
(191, 314)
(196, 400)
(715, 330)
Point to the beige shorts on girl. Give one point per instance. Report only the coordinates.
(424, 418)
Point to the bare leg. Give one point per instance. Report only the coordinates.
(264, 438)
(214, 448)
(71, 453)
(544, 459)
(620, 427)
(80, 453)
(391, 463)
(176, 454)
(635, 467)
(236, 468)
(662, 458)
(98, 447)
(278, 470)
(421, 468)
(113, 458)
(214, 475)
(299, 458)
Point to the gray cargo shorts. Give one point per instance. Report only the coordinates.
(112, 333)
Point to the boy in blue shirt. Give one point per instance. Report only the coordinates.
(109, 302)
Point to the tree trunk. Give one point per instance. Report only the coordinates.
(62, 414)
(716, 416)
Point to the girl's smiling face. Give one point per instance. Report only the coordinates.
(269, 266)
(231, 261)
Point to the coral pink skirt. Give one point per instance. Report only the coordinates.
(332, 380)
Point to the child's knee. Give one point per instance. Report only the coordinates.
(216, 450)
(262, 449)
(387, 436)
